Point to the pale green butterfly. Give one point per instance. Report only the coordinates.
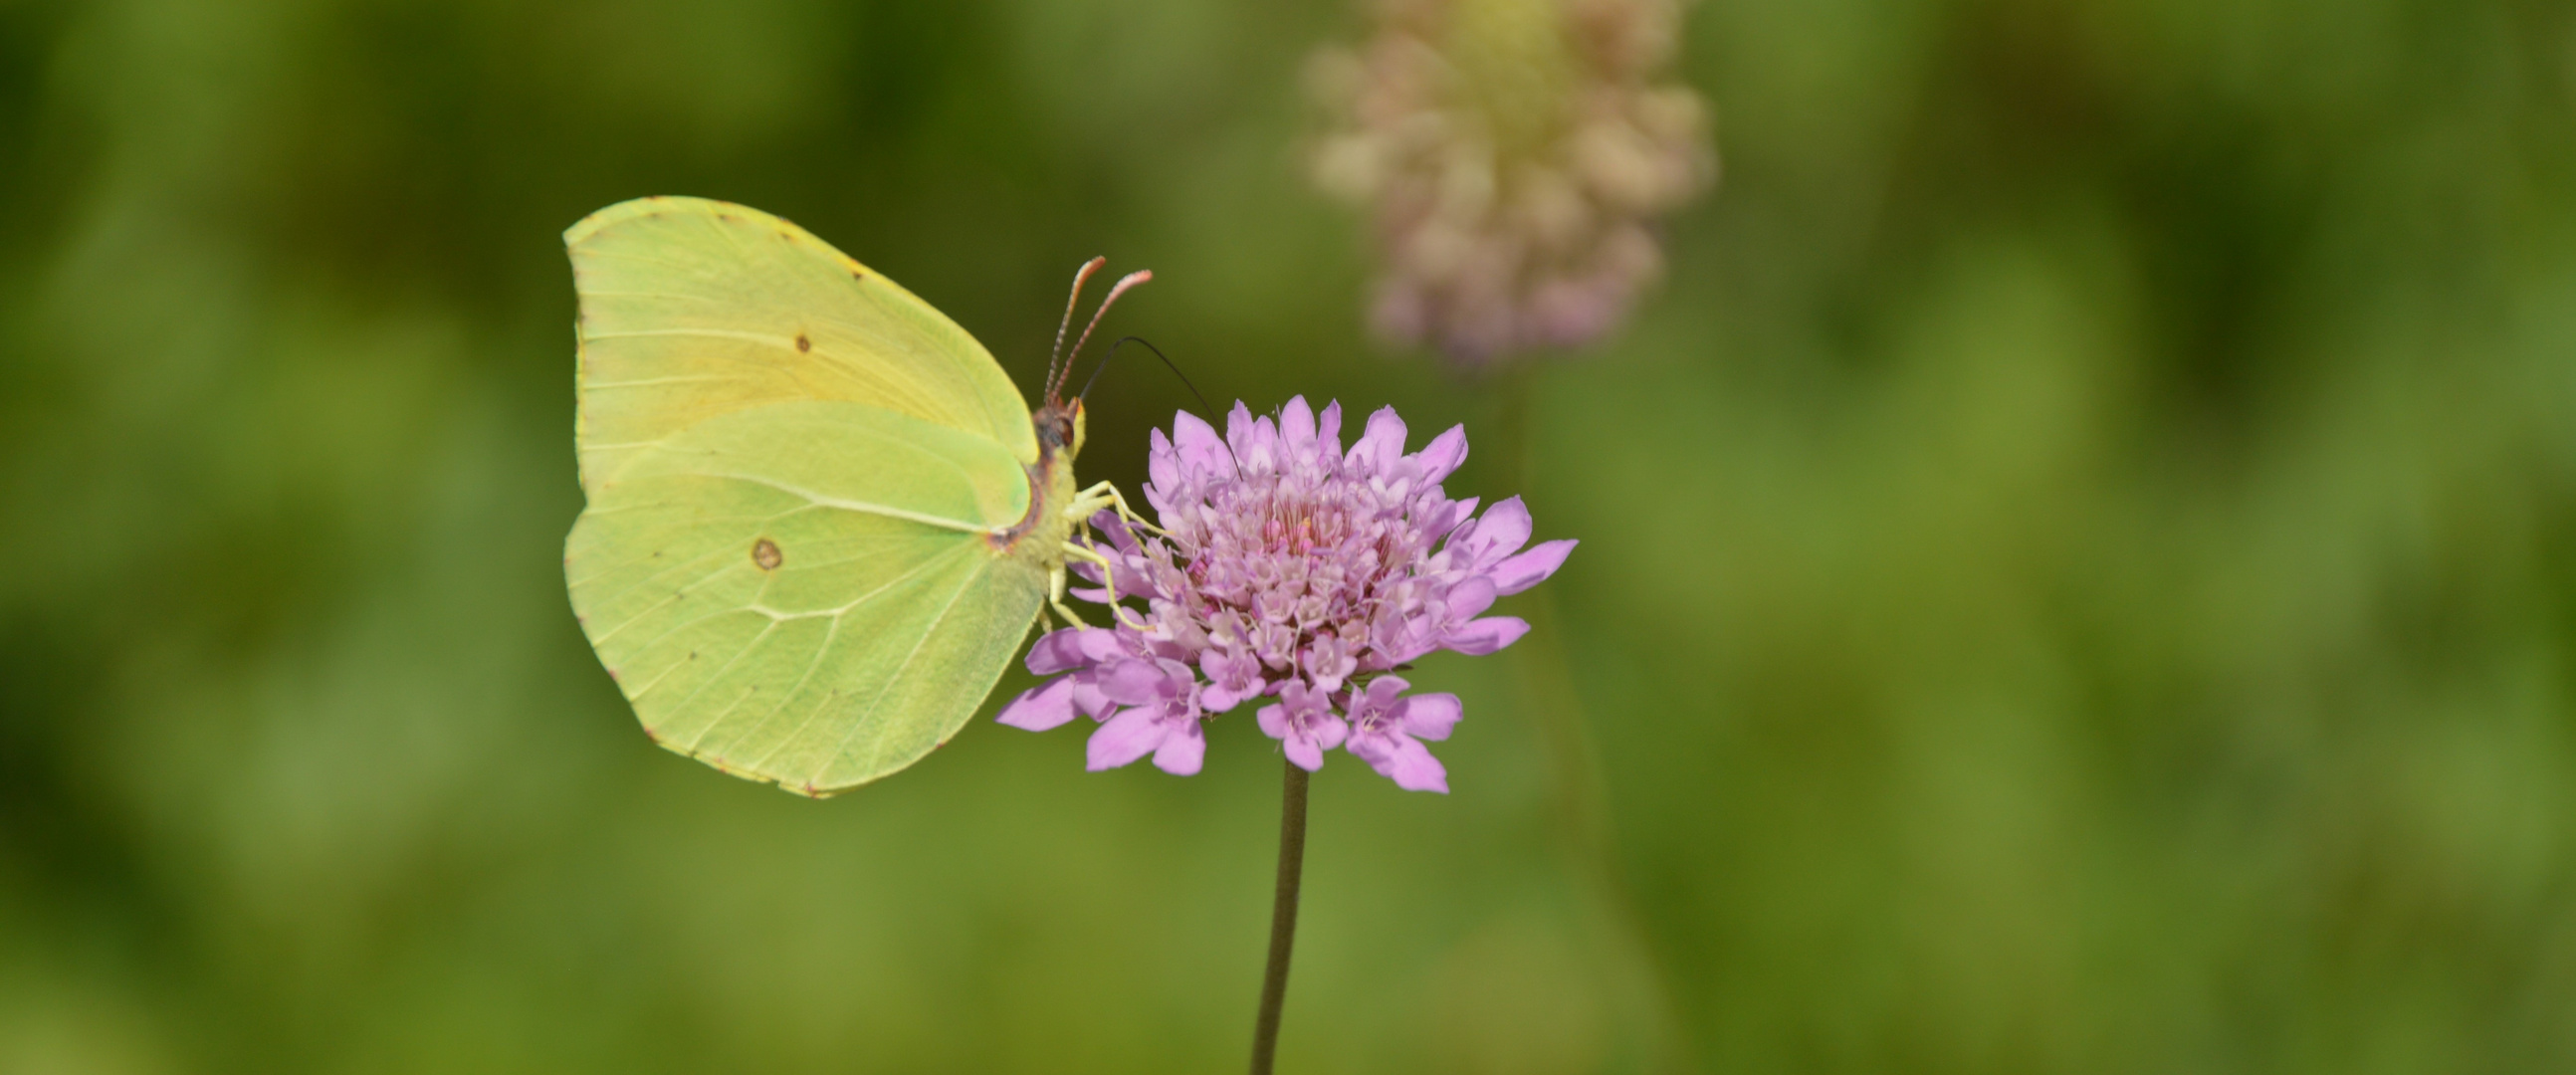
(820, 518)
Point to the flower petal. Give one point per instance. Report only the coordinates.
(1429, 716)
(1087, 699)
(1368, 708)
(1203, 453)
(1401, 638)
(1041, 707)
(1480, 637)
(1330, 731)
(1471, 597)
(1382, 445)
(1504, 528)
(1328, 431)
(1121, 537)
(1070, 648)
(1182, 750)
(1414, 769)
(1327, 663)
(1443, 454)
(1528, 569)
(1373, 747)
(1255, 440)
(1231, 678)
(1297, 428)
(1130, 735)
(1133, 682)
(1273, 720)
(1218, 698)
(1266, 444)
(1397, 757)
(1162, 464)
(1305, 752)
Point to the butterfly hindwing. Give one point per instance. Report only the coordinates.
(805, 593)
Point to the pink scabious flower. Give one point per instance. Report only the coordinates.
(1291, 570)
(1513, 157)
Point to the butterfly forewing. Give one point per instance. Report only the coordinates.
(693, 308)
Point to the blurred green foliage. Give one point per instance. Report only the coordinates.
(2079, 566)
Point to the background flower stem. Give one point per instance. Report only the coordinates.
(1283, 915)
(1635, 981)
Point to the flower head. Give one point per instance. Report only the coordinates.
(1293, 570)
(1512, 155)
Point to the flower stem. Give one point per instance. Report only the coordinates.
(1283, 916)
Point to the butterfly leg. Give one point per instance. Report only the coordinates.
(1109, 582)
(1104, 495)
(1055, 595)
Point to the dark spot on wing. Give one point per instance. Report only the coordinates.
(765, 553)
(802, 344)
(857, 275)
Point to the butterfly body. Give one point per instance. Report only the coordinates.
(1041, 534)
(820, 519)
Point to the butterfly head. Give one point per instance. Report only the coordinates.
(1059, 427)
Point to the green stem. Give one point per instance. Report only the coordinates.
(1283, 916)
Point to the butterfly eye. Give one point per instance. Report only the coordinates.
(1053, 426)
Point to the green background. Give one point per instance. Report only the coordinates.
(2079, 566)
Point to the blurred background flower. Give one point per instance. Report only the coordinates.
(2079, 565)
(1513, 157)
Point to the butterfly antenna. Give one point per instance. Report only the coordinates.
(1158, 353)
(1056, 356)
(1124, 282)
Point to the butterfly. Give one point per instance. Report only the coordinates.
(819, 518)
